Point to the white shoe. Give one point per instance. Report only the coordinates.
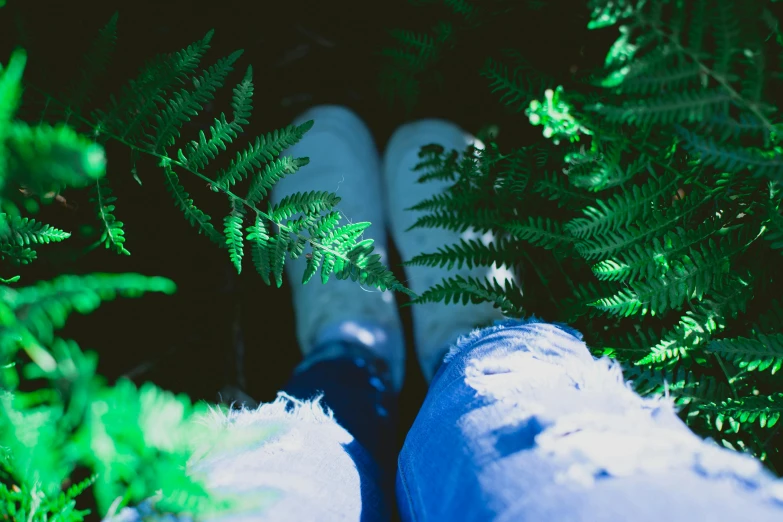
(343, 160)
(436, 325)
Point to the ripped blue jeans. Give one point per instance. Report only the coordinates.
(520, 423)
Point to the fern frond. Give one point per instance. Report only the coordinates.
(684, 385)
(129, 115)
(43, 308)
(471, 252)
(651, 259)
(517, 91)
(232, 228)
(264, 150)
(272, 173)
(442, 167)
(553, 187)
(455, 289)
(761, 353)
(732, 158)
(183, 105)
(17, 254)
(325, 223)
(112, 235)
(24, 231)
(541, 232)
(483, 220)
(684, 76)
(46, 159)
(419, 49)
(617, 240)
(193, 214)
(242, 101)
(278, 255)
(198, 154)
(687, 278)
(774, 228)
(676, 107)
(625, 208)
(313, 202)
(698, 325)
(313, 263)
(449, 201)
(766, 409)
(94, 64)
(260, 241)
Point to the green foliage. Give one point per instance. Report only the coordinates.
(148, 116)
(412, 62)
(649, 217)
(135, 442)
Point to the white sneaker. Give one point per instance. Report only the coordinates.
(436, 325)
(344, 160)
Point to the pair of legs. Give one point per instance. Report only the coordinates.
(520, 421)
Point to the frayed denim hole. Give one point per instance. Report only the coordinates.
(518, 437)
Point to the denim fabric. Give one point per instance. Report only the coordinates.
(362, 404)
(521, 423)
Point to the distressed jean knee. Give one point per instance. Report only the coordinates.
(288, 460)
(540, 401)
(520, 345)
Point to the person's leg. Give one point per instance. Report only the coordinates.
(520, 422)
(352, 384)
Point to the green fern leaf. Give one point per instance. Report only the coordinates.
(455, 289)
(482, 221)
(471, 252)
(552, 186)
(183, 105)
(24, 231)
(690, 277)
(721, 156)
(260, 247)
(139, 99)
(312, 202)
(112, 235)
(625, 208)
(48, 304)
(324, 224)
(233, 231)
(685, 386)
(757, 354)
(766, 409)
(652, 259)
(242, 101)
(518, 90)
(193, 214)
(19, 255)
(275, 170)
(618, 240)
(676, 107)
(542, 232)
(265, 149)
(199, 153)
(47, 159)
(94, 65)
(278, 255)
(313, 262)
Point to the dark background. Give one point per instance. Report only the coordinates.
(221, 331)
